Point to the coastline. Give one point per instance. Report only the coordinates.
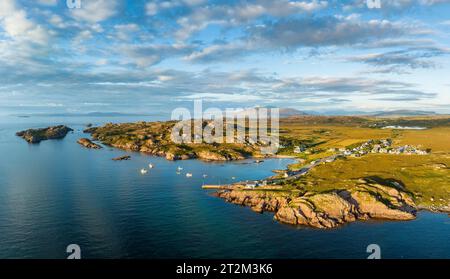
(291, 209)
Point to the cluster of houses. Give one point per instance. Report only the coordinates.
(383, 146)
(253, 184)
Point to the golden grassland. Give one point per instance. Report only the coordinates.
(427, 177)
(438, 139)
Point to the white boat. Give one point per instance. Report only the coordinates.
(188, 174)
(233, 178)
(179, 168)
(205, 175)
(144, 171)
(150, 166)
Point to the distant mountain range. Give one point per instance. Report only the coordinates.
(283, 112)
(286, 112)
(89, 114)
(403, 113)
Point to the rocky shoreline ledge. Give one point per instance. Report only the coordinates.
(88, 143)
(366, 200)
(38, 135)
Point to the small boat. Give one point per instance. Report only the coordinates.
(179, 168)
(178, 172)
(144, 171)
(150, 166)
(233, 178)
(188, 174)
(205, 175)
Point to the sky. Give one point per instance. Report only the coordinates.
(141, 56)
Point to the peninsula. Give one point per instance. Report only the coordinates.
(154, 138)
(352, 168)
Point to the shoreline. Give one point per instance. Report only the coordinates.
(301, 209)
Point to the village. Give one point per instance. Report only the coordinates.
(383, 146)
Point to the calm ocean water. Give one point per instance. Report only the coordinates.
(56, 193)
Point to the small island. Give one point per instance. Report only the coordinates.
(38, 135)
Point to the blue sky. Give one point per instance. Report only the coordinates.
(152, 56)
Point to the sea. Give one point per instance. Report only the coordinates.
(57, 193)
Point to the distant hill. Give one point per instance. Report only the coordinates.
(284, 112)
(89, 114)
(394, 113)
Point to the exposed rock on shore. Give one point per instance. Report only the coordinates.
(88, 143)
(122, 158)
(330, 209)
(38, 135)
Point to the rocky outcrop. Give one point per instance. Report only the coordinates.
(38, 135)
(209, 155)
(258, 201)
(88, 143)
(122, 158)
(155, 138)
(331, 209)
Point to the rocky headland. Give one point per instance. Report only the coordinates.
(88, 143)
(366, 200)
(154, 138)
(38, 135)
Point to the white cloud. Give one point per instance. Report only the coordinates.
(154, 7)
(124, 31)
(151, 8)
(242, 12)
(18, 26)
(224, 97)
(57, 21)
(148, 55)
(95, 10)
